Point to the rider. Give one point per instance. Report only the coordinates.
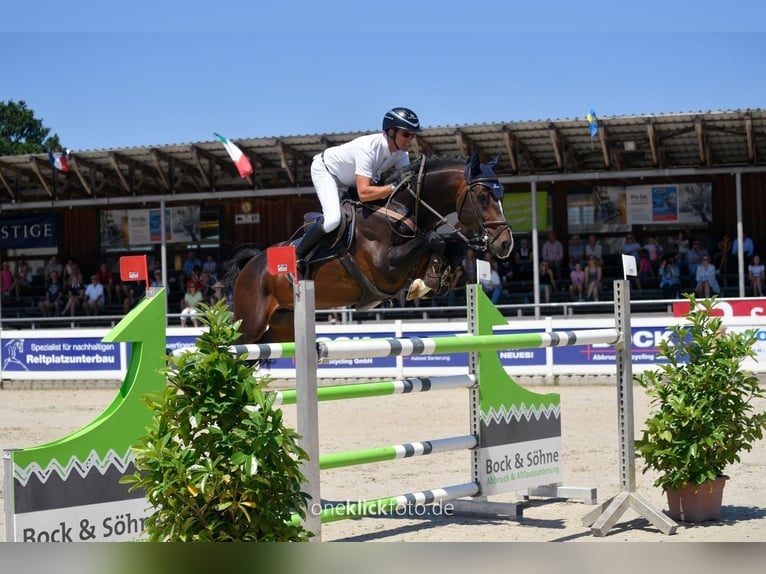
(359, 162)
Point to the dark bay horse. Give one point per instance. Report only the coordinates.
(386, 244)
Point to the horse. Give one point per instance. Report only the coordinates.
(380, 246)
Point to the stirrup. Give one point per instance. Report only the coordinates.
(418, 289)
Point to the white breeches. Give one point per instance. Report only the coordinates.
(327, 191)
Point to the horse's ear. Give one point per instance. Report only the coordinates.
(494, 161)
(474, 164)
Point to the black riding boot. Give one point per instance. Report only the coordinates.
(312, 236)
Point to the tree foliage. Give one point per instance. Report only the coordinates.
(22, 133)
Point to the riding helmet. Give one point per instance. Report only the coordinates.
(403, 119)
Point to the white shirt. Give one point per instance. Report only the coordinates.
(367, 156)
(94, 292)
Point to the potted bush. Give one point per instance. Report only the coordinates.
(217, 462)
(702, 415)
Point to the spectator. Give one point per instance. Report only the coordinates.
(707, 284)
(748, 248)
(106, 278)
(576, 252)
(53, 265)
(755, 273)
(195, 279)
(157, 279)
(493, 287)
(670, 278)
(630, 246)
(547, 281)
(592, 279)
(6, 280)
(721, 256)
(74, 294)
(22, 279)
(694, 257)
(189, 305)
(645, 271)
(655, 252)
(189, 264)
(54, 294)
(553, 253)
(523, 258)
(94, 296)
(217, 293)
(456, 294)
(71, 269)
(469, 266)
(593, 249)
(576, 282)
(682, 252)
(210, 266)
(133, 291)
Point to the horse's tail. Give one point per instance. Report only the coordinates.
(236, 261)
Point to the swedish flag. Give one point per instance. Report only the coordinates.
(592, 123)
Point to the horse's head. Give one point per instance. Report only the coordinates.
(480, 208)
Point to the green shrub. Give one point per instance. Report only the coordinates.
(702, 415)
(217, 463)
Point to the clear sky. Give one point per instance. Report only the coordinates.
(140, 73)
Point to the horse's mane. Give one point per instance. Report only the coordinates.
(433, 162)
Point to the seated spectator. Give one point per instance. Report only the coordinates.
(655, 252)
(189, 264)
(217, 293)
(755, 273)
(54, 293)
(134, 291)
(74, 294)
(707, 284)
(157, 279)
(592, 279)
(456, 294)
(553, 253)
(593, 248)
(6, 280)
(523, 259)
(576, 282)
(631, 247)
(93, 302)
(576, 252)
(748, 248)
(22, 279)
(670, 278)
(645, 271)
(493, 287)
(190, 304)
(694, 257)
(210, 266)
(547, 281)
(106, 278)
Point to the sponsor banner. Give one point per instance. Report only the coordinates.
(53, 356)
(519, 465)
(28, 231)
(733, 308)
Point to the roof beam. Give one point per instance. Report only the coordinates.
(287, 163)
(7, 187)
(421, 146)
(557, 142)
(34, 163)
(466, 145)
(185, 169)
(750, 139)
(703, 148)
(196, 156)
(74, 165)
(652, 135)
(511, 148)
(118, 171)
(156, 157)
(603, 138)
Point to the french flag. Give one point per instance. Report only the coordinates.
(59, 161)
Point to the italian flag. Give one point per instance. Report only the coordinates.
(243, 164)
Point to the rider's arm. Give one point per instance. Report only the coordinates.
(369, 192)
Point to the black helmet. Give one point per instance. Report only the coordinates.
(403, 119)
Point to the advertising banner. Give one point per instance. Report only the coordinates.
(121, 228)
(28, 231)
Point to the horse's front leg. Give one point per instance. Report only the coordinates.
(407, 254)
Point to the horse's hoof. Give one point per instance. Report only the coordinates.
(418, 289)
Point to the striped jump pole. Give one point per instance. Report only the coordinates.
(381, 389)
(410, 346)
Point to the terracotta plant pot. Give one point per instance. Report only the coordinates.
(697, 502)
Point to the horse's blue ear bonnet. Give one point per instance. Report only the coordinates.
(484, 174)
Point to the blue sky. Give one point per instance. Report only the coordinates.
(139, 73)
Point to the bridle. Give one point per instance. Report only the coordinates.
(482, 239)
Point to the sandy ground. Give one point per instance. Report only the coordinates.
(591, 460)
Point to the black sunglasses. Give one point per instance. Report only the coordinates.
(406, 134)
